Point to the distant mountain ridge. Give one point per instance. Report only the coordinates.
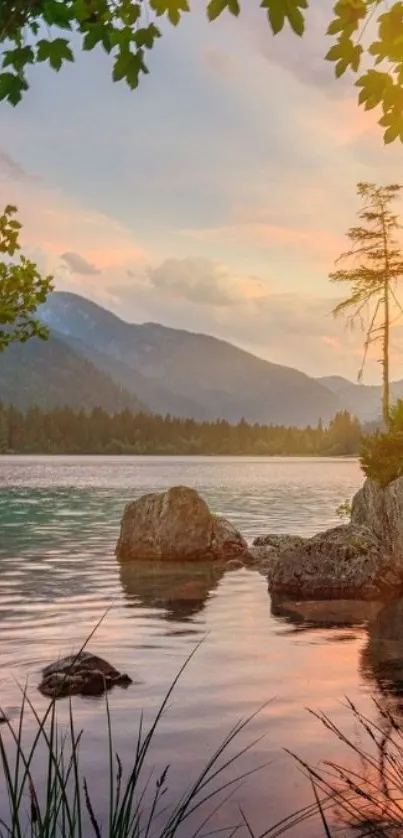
(49, 374)
(364, 400)
(96, 359)
(188, 374)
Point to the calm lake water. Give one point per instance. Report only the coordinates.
(59, 524)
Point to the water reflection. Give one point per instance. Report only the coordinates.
(303, 615)
(382, 658)
(180, 590)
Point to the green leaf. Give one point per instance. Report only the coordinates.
(341, 67)
(215, 8)
(57, 13)
(55, 52)
(171, 8)
(12, 88)
(334, 27)
(391, 134)
(276, 12)
(130, 12)
(234, 7)
(94, 35)
(129, 66)
(146, 36)
(19, 58)
(295, 17)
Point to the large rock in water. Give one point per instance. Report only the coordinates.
(176, 525)
(346, 562)
(361, 560)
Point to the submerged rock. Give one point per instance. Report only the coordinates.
(176, 525)
(82, 674)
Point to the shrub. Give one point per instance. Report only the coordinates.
(381, 456)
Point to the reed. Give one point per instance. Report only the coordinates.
(60, 805)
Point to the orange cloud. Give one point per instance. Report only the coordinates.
(332, 342)
(55, 224)
(344, 122)
(316, 243)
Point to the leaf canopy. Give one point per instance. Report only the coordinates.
(128, 29)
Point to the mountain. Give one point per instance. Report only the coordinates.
(364, 400)
(50, 374)
(202, 377)
(157, 398)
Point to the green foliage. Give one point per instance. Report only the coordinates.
(22, 288)
(127, 29)
(381, 455)
(344, 510)
(65, 431)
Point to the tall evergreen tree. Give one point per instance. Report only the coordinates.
(373, 265)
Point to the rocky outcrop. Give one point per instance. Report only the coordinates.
(82, 674)
(381, 511)
(279, 542)
(361, 560)
(176, 525)
(346, 562)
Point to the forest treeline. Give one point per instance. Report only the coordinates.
(64, 431)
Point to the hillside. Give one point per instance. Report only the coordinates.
(216, 379)
(49, 374)
(361, 399)
(157, 398)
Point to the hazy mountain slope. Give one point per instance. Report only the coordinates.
(50, 374)
(154, 395)
(218, 378)
(362, 399)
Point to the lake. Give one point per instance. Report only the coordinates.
(59, 524)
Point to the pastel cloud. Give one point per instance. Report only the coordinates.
(203, 282)
(58, 224)
(11, 169)
(79, 265)
(318, 245)
(219, 62)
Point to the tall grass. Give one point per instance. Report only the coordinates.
(60, 804)
(365, 795)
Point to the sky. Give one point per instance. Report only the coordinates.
(214, 198)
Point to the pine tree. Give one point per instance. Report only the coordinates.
(374, 263)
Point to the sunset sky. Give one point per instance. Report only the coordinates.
(215, 198)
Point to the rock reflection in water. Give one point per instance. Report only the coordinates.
(180, 589)
(382, 657)
(304, 615)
